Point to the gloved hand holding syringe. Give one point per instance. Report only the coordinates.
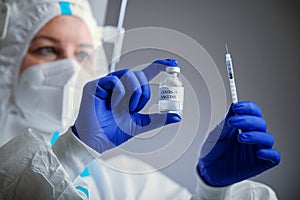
(229, 155)
(229, 65)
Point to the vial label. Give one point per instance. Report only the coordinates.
(171, 93)
(171, 99)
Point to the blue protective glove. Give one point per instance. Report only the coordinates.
(228, 157)
(109, 111)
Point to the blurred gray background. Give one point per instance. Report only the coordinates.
(264, 39)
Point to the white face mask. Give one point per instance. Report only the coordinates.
(49, 94)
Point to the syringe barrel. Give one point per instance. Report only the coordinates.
(229, 66)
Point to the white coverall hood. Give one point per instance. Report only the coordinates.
(26, 18)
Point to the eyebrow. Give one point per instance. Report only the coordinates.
(52, 39)
(85, 45)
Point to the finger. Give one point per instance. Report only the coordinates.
(257, 138)
(133, 89)
(229, 112)
(271, 155)
(157, 66)
(156, 120)
(168, 62)
(145, 95)
(110, 86)
(172, 118)
(248, 123)
(246, 108)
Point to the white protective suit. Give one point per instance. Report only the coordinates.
(31, 169)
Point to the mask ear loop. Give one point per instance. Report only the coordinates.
(4, 18)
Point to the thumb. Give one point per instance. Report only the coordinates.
(157, 120)
(172, 118)
(230, 112)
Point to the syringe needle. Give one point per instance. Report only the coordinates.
(226, 48)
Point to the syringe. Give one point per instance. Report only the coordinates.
(233, 91)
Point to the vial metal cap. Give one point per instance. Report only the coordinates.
(173, 69)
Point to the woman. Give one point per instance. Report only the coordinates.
(41, 83)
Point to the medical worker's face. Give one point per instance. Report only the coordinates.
(62, 37)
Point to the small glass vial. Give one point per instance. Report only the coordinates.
(171, 92)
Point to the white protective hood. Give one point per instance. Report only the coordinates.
(26, 18)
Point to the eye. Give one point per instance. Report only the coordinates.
(46, 51)
(82, 55)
